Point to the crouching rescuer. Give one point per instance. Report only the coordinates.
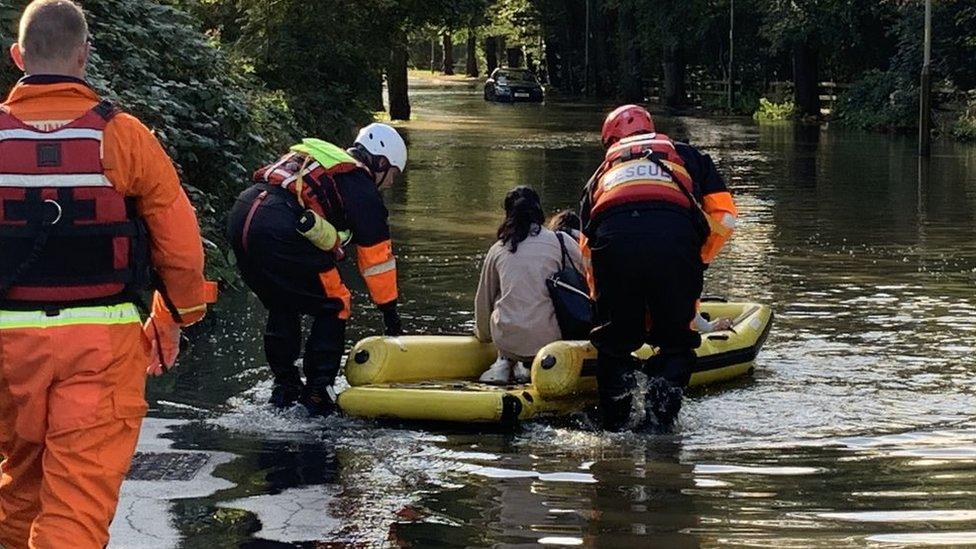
(289, 231)
(654, 215)
(89, 205)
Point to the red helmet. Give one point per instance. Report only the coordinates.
(626, 121)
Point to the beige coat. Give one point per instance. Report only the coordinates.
(512, 307)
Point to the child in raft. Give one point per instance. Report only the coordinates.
(567, 221)
(512, 307)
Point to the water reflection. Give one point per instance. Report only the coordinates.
(857, 427)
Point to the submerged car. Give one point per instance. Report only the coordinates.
(513, 85)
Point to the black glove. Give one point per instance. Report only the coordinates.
(391, 320)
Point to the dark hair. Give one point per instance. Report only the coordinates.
(523, 216)
(565, 221)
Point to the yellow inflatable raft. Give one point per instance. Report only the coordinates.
(434, 378)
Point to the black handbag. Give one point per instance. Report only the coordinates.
(571, 299)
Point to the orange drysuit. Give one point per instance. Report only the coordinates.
(72, 380)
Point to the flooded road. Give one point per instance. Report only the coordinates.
(857, 428)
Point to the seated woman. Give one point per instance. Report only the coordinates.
(513, 307)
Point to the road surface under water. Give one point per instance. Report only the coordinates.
(857, 427)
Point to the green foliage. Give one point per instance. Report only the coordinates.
(327, 58)
(314, 53)
(888, 100)
(965, 127)
(770, 112)
(880, 100)
(746, 102)
(953, 41)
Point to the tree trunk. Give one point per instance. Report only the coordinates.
(471, 67)
(675, 96)
(604, 62)
(448, 46)
(396, 81)
(376, 90)
(491, 54)
(500, 41)
(434, 50)
(629, 69)
(806, 76)
(542, 68)
(551, 62)
(514, 57)
(566, 59)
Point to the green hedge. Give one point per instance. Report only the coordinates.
(880, 100)
(965, 127)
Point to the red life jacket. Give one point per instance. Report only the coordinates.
(67, 237)
(642, 168)
(319, 192)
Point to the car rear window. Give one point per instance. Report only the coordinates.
(517, 76)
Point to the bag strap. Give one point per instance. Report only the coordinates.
(562, 248)
(655, 157)
(565, 254)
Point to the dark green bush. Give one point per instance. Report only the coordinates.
(880, 100)
(965, 127)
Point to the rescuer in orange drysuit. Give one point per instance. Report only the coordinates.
(89, 203)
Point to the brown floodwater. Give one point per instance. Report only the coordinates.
(856, 429)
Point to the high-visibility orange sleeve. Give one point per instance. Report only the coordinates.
(143, 170)
(334, 288)
(378, 267)
(722, 215)
(588, 264)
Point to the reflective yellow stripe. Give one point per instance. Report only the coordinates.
(125, 313)
(384, 267)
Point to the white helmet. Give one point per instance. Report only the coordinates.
(383, 140)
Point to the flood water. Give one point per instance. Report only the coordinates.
(856, 429)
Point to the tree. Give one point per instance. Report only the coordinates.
(331, 80)
(491, 53)
(887, 96)
(396, 80)
(447, 45)
(803, 27)
(631, 88)
(471, 63)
